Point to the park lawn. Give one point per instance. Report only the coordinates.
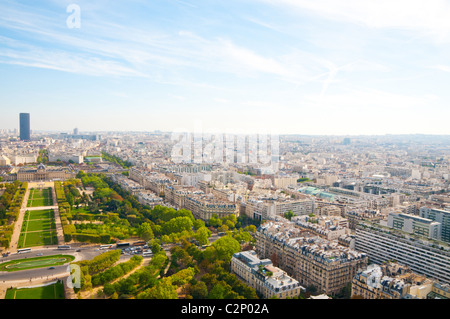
(39, 224)
(54, 291)
(39, 238)
(40, 214)
(40, 202)
(38, 229)
(40, 197)
(80, 210)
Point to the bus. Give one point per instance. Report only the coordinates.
(23, 251)
(139, 243)
(106, 246)
(147, 253)
(121, 245)
(64, 247)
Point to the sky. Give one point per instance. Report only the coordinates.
(326, 67)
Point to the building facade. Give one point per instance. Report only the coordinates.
(422, 255)
(415, 225)
(307, 257)
(42, 173)
(390, 281)
(440, 216)
(25, 130)
(260, 274)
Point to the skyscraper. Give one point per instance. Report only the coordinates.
(25, 126)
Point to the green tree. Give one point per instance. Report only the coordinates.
(164, 289)
(177, 225)
(145, 231)
(215, 221)
(288, 215)
(183, 276)
(226, 247)
(198, 290)
(202, 234)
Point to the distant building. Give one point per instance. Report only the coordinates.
(55, 157)
(268, 208)
(415, 225)
(23, 159)
(4, 161)
(205, 206)
(25, 132)
(440, 216)
(42, 173)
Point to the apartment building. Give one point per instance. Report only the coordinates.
(154, 181)
(422, 255)
(149, 199)
(439, 291)
(260, 274)
(205, 206)
(390, 281)
(268, 208)
(176, 194)
(308, 258)
(438, 215)
(414, 225)
(325, 228)
(285, 181)
(355, 216)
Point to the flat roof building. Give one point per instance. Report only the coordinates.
(25, 126)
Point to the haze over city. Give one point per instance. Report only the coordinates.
(292, 67)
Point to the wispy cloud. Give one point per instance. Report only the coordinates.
(429, 18)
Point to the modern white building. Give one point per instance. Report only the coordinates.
(441, 216)
(424, 256)
(414, 225)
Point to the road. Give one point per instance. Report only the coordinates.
(36, 276)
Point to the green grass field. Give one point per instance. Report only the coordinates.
(38, 229)
(35, 262)
(40, 197)
(40, 214)
(39, 238)
(53, 291)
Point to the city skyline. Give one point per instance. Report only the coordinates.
(291, 67)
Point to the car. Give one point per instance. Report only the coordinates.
(40, 254)
(51, 268)
(78, 250)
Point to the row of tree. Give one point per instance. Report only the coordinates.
(96, 265)
(10, 204)
(116, 159)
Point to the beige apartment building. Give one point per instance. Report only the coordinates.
(391, 281)
(268, 208)
(205, 206)
(260, 274)
(307, 257)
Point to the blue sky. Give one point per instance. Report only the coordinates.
(286, 66)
